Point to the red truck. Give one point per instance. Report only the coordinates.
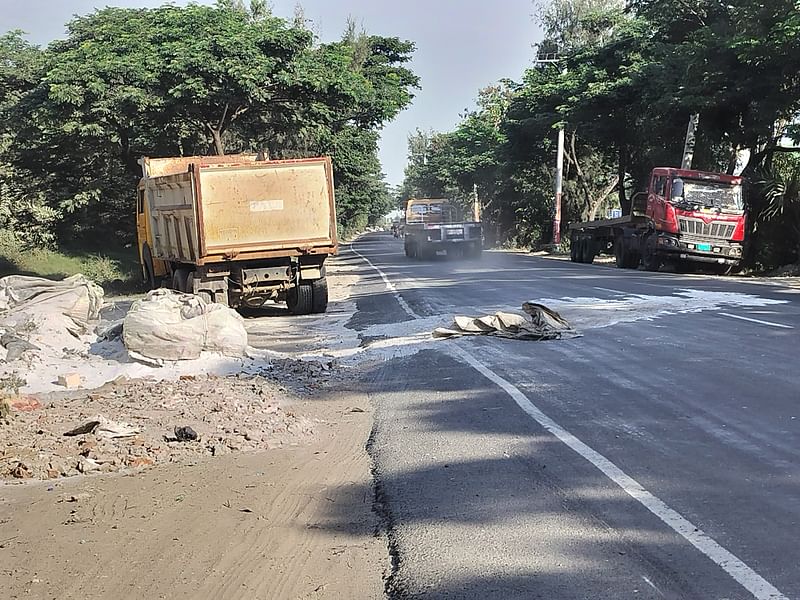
(685, 217)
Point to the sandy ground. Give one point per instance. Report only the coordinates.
(294, 522)
(273, 501)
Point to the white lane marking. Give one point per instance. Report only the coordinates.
(736, 568)
(759, 587)
(389, 285)
(614, 291)
(759, 321)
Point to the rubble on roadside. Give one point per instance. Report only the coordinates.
(130, 425)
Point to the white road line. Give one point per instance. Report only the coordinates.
(614, 291)
(389, 285)
(759, 587)
(759, 321)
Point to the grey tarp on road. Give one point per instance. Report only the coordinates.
(538, 323)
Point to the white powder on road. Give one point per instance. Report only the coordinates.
(592, 313)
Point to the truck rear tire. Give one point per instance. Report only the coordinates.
(587, 251)
(300, 299)
(650, 260)
(180, 280)
(319, 295)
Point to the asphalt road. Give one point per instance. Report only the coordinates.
(656, 456)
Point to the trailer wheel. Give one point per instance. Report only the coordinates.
(300, 299)
(626, 257)
(319, 293)
(586, 251)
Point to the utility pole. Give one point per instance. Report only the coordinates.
(688, 146)
(544, 59)
(476, 204)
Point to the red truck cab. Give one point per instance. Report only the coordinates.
(697, 216)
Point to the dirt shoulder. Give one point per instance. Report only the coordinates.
(291, 522)
(273, 500)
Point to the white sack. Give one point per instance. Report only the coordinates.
(168, 325)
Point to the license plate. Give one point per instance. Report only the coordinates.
(455, 232)
(704, 247)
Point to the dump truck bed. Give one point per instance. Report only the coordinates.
(241, 210)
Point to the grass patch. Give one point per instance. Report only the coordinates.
(115, 270)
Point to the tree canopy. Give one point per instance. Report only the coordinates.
(180, 81)
(623, 79)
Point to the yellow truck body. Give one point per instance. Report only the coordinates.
(238, 230)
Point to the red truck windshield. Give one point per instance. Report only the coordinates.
(707, 194)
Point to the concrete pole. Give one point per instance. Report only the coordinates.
(476, 204)
(688, 146)
(559, 182)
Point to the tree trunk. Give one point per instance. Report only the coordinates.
(219, 148)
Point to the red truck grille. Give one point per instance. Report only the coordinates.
(716, 229)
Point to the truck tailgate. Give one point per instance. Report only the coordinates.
(266, 206)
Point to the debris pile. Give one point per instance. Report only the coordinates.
(138, 423)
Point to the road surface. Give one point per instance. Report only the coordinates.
(655, 456)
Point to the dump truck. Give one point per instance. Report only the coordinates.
(686, 218)
(238, 231)
(434, 224)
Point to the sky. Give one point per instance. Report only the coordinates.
(462, 46)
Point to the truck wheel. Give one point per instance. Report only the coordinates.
(190, 283)
(180, 279)
(620, 255)
(300, 299)
(650, 261)
(474, 251)
(626, 257)
(221, 297)
(587, 251)
(319, 295)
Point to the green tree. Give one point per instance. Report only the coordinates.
(179, 81)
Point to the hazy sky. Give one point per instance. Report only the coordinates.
(461, 46)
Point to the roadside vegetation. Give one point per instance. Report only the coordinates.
(622, 79)
(76, 116)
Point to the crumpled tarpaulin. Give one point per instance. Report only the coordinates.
(538, 323)
(170, 325)
(36, 312)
